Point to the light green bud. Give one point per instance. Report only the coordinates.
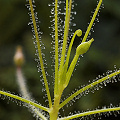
(83, 47)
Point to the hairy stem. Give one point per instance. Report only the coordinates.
(24, 100)
(92, 21)
(25, 93)
(40, 54)
(90, 113)
(64, 39)
(56, 49)
(87, 87)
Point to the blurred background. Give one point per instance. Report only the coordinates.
(102, 56)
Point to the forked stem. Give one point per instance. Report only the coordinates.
(88, 87)
(58, 89)
(65, 67)
(78, 33)
(81, 49)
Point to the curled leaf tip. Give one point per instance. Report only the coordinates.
(83, 47)
(79, 32)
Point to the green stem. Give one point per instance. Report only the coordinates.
(78, 33)
(24, 100)
(69, 13)
(56, 49)
(40, 54)
(92, 21)
(63, 67)
(64, 39)
(90, 113)
(70, 70)
(55, 109)
(87, 87)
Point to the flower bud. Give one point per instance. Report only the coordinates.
(19, 57)
(83, 47)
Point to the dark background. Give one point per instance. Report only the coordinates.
(102, 56)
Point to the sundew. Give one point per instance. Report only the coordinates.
(63, 38)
